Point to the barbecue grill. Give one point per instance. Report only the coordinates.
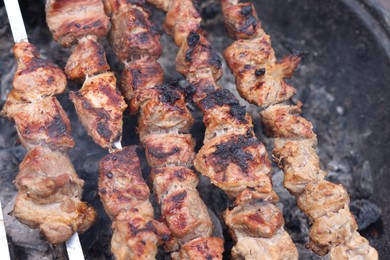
(343, 84)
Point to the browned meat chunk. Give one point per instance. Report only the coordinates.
(71, 20)
(47, 176)
(322, 197)
(278, 247)
(234, 163)
(125, 197)
(182, 18)
(133, 34)
(184, 211)
(241, 20)
(100, 106)
(144, 73)
(210, 248)
(164, 150)
(42, 121)
(356, 248)
(88, 58)
(256, 218)
(36, 78)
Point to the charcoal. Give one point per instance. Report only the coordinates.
(365, 212)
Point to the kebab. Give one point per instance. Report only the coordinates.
(231, 157)
(100, 106)
(260, 80)
(163, 127)
(49, 190)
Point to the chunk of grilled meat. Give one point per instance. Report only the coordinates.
(231, 157)
(261, 80)
(88, 58)
(49, 195)
(125, 197)
(49, 188)
(35, 78)
(163, 125)
(38, 122)
(201, 248)
(185, 213)
(100, 106)
(72, 19)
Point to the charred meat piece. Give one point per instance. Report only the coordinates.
(133, 34)
(125, 197)
(277, 247)
(71, 20)
(201, 248)
(38, 122)
(88, 58)
(57, 221)
(100, 106)
(143, 73)
(234, 163)
(185, 213)
(35, 77)
(47, 176)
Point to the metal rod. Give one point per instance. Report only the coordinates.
(3, 238)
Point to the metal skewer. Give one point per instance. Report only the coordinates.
(73, 246)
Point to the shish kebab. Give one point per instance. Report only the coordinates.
(261, 80)
(123, 191)
(49, 188)
(163, 125)
(231, 157)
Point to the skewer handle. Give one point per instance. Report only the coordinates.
(3, 238)
(16, 21)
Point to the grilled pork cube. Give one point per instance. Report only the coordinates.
(278, 247)
(241, 20)
(210, 248)
(224, 115)
(47, 176)
(259, 78)
(71, 20)
(182, 18)
(184, 211)
(41, 121)
(125, 197)
(133, 34)
(144, 73)
(169, 150)
(88, 58)
(234, 163)
(255, 218)
(321, 197)
(163, 110)
(100, 107)
(355, 248)
(299, 161)
(56, 221)
(121, 185)
(136, 236)
(284, 121)
(35, 77)
(196, 56)
(330, 230)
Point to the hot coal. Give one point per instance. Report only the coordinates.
(365, 212)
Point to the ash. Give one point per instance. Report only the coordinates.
(339, 149)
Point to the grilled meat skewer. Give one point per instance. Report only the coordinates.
(99, 105)
(49, 188)
(231, 157)
(260, 80)
(163, 125)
